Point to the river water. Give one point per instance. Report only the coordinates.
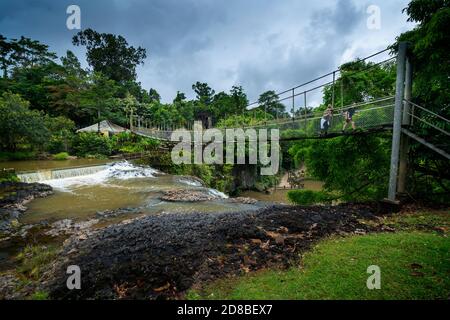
(122, 185)
(92, 185)
(82, 192)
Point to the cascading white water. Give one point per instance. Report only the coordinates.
(37, 176)
(93, 176)
(45, 175)
(217, 193)
(68, 173)
(124, 185)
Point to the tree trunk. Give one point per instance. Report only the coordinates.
(98, 119)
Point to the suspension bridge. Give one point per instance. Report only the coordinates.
(397, 113)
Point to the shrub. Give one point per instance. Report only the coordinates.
(127, 142)
(62, 132)
(17, 155)
(308, 197)
(8, 176)
(91, 143)
(61, 156)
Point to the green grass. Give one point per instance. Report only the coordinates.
(413, 265)
(33, 261)
(436, 221)
(39, 295)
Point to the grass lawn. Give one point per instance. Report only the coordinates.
(414, 264)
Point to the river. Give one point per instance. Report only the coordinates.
(82, 193)
(121, 185)
(84, 187)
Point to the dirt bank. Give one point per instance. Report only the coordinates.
(162, 256)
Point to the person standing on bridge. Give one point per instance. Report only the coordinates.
(348, 114)
(325, 122)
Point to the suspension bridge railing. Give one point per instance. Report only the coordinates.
(370, 114)
(429, 118)
(423, 118)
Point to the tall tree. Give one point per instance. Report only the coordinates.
(239, 99)
(23, 53)
(73, 79)
(361, 81)
(204, 93)
(268, 101)
(110, 54)
(6, 49)
(97, 101)
(154, 95)
(29, 53)
(179, 97)
(20, 126)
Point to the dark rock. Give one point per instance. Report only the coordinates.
(187, 196)
(243, 200)
(13, 198)
(172, 252)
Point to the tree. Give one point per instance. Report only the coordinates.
(429, 52)
(204, 110)
(130, 105)
(357, 167)
(97, 100)
(352, 167)
(180, 97)
(73, 79)
(268, 101)
(62, 130)
(154, 95)
(20, 127)
(361, 81)
(222, 106)
(239, 99)
(23, 53)
(204, 93)
(33, 83)
(6, 50)
(303, 111)
(72, 65)
(110, 54)
(29, 53)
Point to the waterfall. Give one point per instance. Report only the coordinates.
(68, 173)
(43, 175)
(36, 176)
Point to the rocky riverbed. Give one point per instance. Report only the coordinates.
(162, 256)
(13, 199)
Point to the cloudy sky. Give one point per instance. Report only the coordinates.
(259, 44)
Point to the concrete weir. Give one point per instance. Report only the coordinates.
(50, 174)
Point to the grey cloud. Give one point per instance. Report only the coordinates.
(259, 44)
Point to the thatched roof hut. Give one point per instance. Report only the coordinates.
(106, 127)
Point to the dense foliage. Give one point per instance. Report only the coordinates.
(357, 167)
(20, 126)
(429, 50)
(308, 197)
